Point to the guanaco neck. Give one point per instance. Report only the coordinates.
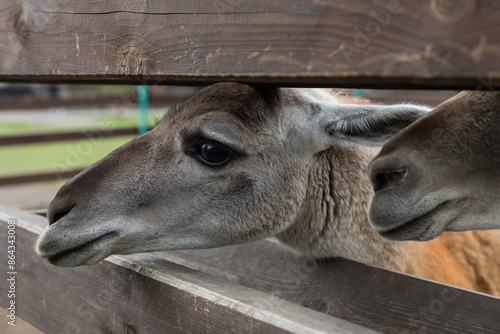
(332, 222)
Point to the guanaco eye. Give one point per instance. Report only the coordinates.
(213, 153)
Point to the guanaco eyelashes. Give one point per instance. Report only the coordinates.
(208, 151)
(212, 152)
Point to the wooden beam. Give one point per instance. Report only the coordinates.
(38, 177)
(27, 102)
(140, 295)
(64, 136)
(386, 301)
(380, 44)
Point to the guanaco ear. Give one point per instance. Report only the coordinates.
(368, 125)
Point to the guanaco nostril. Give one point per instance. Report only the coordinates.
(384, 178)
(58, 215)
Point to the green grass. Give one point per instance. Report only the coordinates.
(14, 127)
(57, 156)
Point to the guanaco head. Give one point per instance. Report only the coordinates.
(227, 166)
(442, 172)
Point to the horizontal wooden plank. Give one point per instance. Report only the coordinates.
(386, 301)
(64, 136)
(27, 102)
(141, 295)
(383, 43)
(38, 177)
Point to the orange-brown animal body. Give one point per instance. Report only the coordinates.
(469, 260)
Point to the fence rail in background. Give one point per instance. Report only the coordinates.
(63, 136)
(38, 177)
(27, 102)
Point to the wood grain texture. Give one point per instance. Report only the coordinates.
(378, 43)
(383, 300)
(148, 291)
(141, 295)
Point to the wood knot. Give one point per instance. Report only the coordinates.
(321, 304)
(30, 17)
(22, 24)
(131, 63)
(451, 10)
(129, 329)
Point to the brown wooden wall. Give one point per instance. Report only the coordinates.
(378, 43)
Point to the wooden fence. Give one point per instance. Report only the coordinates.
(429, 44)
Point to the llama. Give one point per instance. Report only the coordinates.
(236, 163)
(442, 172)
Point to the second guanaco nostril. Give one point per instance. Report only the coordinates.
(53, 218)
(383, 178)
